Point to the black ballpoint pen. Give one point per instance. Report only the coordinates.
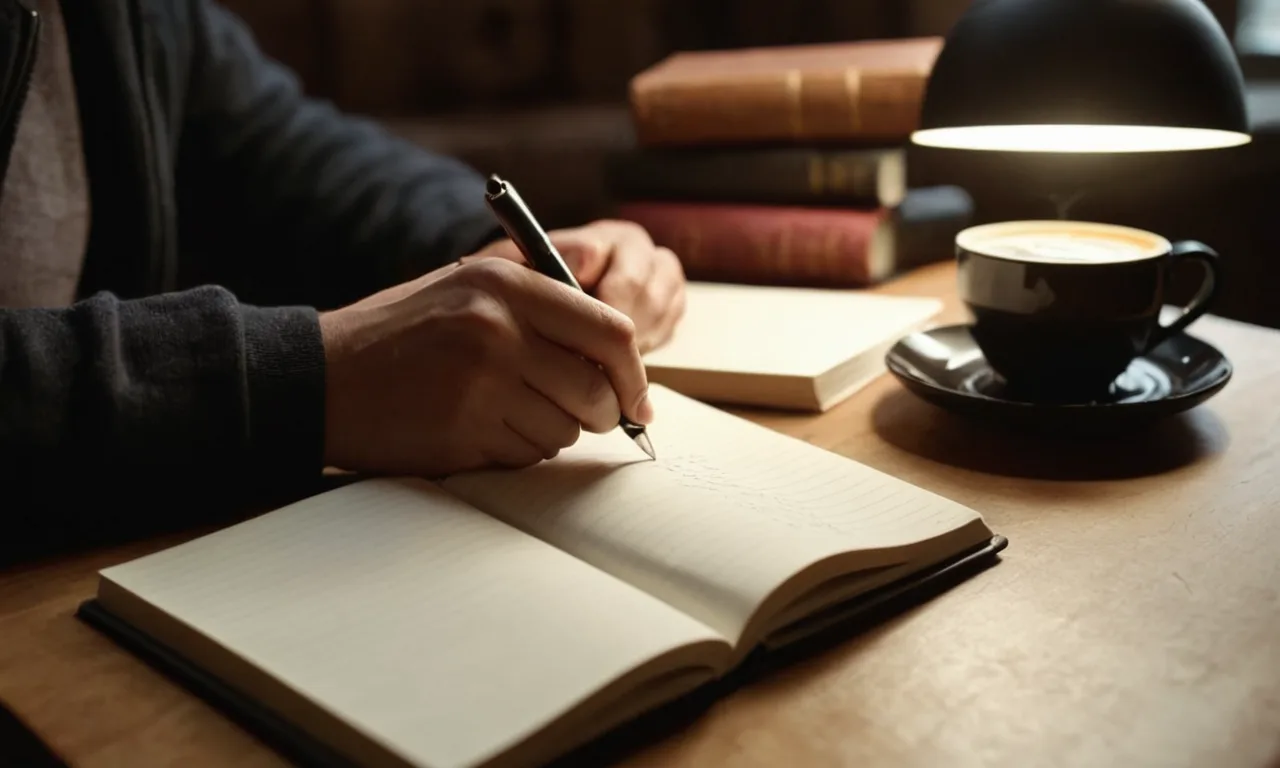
(532, 240)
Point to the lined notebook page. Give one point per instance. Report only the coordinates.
(728, 512)
(792, 331)
(423, 623)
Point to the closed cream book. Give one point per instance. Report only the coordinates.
(501, 618)
(804, 349)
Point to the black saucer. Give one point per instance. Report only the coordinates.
(945, 367)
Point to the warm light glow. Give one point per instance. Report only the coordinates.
(1078, 138)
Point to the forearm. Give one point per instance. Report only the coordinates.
(109, 408)
(330, 207)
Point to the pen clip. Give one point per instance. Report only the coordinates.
(523, 229)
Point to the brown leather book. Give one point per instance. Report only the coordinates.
(860, 91)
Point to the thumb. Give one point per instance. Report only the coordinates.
(586, 256)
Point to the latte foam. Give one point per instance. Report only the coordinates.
(1064, 248)
(1063, 242)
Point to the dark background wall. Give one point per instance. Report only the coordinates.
(536, 90)
(397, 57)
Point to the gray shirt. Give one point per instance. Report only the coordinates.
(44, 200)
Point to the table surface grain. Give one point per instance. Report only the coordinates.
(1134, 619)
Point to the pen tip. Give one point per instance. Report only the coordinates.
(646, 445)
(494, 185)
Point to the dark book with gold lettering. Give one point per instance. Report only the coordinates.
(867, 177)
(506, 618)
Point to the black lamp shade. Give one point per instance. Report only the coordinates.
(1085, 75)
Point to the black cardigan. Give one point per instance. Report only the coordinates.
(227, 208)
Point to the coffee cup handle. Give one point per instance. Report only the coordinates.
(1190, 250)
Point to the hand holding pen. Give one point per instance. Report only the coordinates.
(480, 364)
(523, 229)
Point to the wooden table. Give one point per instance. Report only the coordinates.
(1134, 621)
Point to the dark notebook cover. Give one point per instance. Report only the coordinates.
(298, 747)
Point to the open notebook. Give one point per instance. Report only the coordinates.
(782, 347)
(501, 618)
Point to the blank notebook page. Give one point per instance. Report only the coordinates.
(727, 511)
(425, 624)
(784, 331)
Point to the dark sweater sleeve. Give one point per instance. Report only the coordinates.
(119, 417)
(307, 204)
(122, 418)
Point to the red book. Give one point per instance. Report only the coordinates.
(777, 245)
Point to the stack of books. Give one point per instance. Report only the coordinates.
(787, 165)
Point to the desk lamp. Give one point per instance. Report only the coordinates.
(1085, 76)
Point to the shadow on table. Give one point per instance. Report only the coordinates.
(20, 747)
(925, 430)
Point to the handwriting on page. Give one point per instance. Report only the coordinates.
(773, 496)
(726, 513)
(800, 490)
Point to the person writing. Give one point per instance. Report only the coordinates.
(213, 286)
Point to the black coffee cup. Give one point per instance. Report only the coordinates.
(1061, 308)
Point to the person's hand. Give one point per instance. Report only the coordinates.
(475, 365)
(617, 262)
